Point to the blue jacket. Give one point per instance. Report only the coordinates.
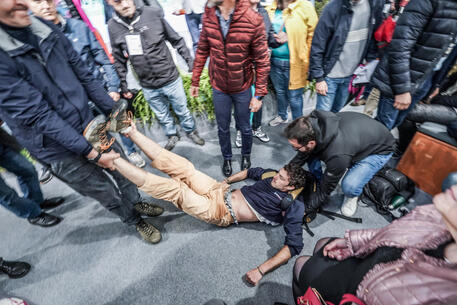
(91, 52)
(331, 33)
(44, 95)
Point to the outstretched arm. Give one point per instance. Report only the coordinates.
(280, 258)
(240, 176)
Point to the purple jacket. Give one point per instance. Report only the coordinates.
(414, 279)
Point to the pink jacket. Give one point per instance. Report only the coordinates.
(415, 279)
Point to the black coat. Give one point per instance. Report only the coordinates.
(343, 139)
(422, 36)
(272, 43)
(155, 68)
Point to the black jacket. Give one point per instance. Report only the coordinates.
(272, 43)
(343, 139)
(331, 33)
(422, 36)
(155, 68)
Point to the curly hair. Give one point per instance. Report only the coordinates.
(301, 130)
(298, 177)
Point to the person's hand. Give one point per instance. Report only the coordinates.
(255, 104)
(281, 37)
(107, 160)
(114, 95)
(253, 276)
(128, 95)
(402, 101)
(194, 91)
(337, 249)
(321, 88)
(446, 201)
(433, 94)
(133, 129)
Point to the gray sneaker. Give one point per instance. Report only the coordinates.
(238, 142)
(136, 159)
(172, 140)
(195, 137)
(148, 209)
(149, 233)
(276, 121)
(95, 134)
(261, 135)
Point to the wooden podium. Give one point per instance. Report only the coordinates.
(427, 161)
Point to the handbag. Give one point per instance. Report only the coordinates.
(385, 31)
(313, 297)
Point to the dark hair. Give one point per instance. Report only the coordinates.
(298, 177)
(301, 130)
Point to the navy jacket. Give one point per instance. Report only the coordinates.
(331, 33)
(91, 52)
(44, 94)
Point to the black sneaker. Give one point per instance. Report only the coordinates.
(120, 119)
(95, 134)
(45, 175)
(149, 233)
(51, 203)
(148, 209)
(14, 270)
(44, 220)
(195, 137)
(172, 140)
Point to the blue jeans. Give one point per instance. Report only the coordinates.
(279, 74)
(193, 24)
(29, 205)
(223, 109)
(128, 144)
(337, 94)
(361, 173)
(160, 99)
(390, 116)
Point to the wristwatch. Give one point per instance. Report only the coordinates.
(259, 97)
(95, 160)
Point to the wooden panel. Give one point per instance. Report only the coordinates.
(427, 161)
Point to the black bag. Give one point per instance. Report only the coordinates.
(384, 186)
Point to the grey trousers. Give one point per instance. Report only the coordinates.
(91, 180)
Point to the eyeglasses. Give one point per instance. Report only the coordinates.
(298, 148)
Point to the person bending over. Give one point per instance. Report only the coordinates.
(411, 261)
(217, 203)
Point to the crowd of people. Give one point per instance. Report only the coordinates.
(64, 93)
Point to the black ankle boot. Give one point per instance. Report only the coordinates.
(245, 162)
(227, 168)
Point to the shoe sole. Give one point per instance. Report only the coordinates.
(44, 181)
(121, 106)
(92, 125)
(47, 225)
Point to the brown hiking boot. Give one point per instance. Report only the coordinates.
(148, 209)
(149, 233)
(120, 119)
(95, 134)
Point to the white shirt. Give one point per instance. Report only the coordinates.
(194, 6)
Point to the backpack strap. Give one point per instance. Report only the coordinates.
(267, 175)
(350, 298)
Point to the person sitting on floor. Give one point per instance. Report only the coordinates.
(411, 261)
(202, 197)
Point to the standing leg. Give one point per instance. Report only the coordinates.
(281, 85)
(223, 110)
(161, 108)
(325, 102)
(341, 94)
(296, 102)
(387, 113)
(193, 24)
(242, 117)
(20, 206)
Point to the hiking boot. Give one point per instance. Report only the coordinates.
(172, 140)
(195, 137)
(148, 209)
(120, 119)
(45, 175)
(95, 134)
(238, 142)
(276, 121)
(261, 135)
(349, 206)
(149, 233)
(136, 159)
(14, 270)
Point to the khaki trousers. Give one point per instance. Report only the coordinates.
(188, 189)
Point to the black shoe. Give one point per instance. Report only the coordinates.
(44, 220)
(245, 162)
(52, 203)
(227, 168)
(172, 140)
(45, 175)
(14, 270)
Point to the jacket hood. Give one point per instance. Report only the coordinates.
(39, 28)
(325, 125)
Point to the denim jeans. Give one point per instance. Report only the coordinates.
(128, 144)
(279, 74)
(91, 180)
(361, 173)
(193, 24)
(390, 116)
(337, 94)
(160, 99)
(27, 206)
(223, 109)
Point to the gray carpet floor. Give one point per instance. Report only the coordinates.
(92, 258)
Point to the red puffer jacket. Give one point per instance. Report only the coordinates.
(231, 67)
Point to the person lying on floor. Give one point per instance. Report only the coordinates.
(217, 203)
(411, 261)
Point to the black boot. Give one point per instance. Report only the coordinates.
(245, 162)
(14, 270)
(227, 168)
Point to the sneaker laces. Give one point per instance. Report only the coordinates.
(105, 143)
(147, 228)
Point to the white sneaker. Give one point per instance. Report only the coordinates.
(276, 121)
(238, 142)
(136, 159)
(349, 206)
(260, 134)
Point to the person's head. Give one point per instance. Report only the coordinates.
(291, 177)
(283, 4)
(446, 204)
(254, 3)
(213, 3)
(300, 135)
(125, 8)
(15, 13)
(45, 9)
